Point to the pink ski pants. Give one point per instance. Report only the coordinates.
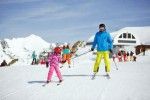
(51, 70)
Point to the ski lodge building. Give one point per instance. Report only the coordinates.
(129, 39)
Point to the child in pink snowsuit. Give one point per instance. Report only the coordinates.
(54, 60)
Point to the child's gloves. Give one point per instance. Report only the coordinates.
(63, 62)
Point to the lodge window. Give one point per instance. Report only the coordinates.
(129, 35)
(124, 35)
(120, 36)
(133, 37)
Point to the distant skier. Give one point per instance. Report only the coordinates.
(143, 50)
(128, 56)
(124, 56)
(103, 41)
(54, 60)
(34, 57)
(3, 63)
(131, 56)
(114, 56)
(42, 61)
(47, 63)
(134, 57)
(66, 55)
(120, 56)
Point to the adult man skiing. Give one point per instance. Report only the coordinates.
(103, 41)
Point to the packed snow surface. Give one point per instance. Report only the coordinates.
(130, 82)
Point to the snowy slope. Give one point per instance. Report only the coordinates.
(130, 82)
(3, 55)
(22, 48)
(143, 33)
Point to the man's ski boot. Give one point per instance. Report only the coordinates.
(108, 76)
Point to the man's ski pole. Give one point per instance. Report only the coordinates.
(115, 64)
(82, 54)
(114, 61)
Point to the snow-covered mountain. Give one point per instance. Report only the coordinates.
(143, 33)
(3, 55)
(22, 48)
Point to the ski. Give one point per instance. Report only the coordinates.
(57, 83)
(93, 76)
(45, 84)
(108, 76)
(60, 82)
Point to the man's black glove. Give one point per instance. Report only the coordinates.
(110, 50)
(72, 52)
(92, 49)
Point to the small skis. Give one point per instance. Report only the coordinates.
(107, 76)
(45, 84)
(58, 83)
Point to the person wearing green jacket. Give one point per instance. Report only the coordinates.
(34, 57)
(66, 56)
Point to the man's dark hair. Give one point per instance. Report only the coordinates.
(101, 25)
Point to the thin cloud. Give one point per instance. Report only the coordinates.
(71, 18)
(50, 11)
(17, 1)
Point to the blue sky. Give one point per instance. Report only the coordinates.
(69, 20)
